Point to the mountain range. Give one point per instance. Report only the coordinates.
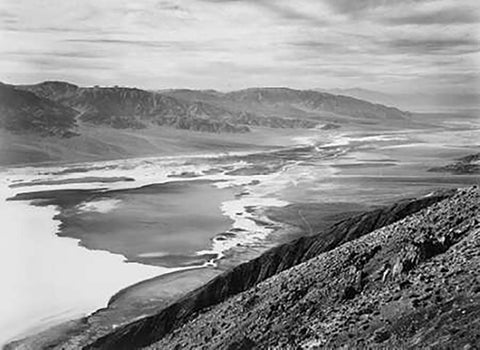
(56, 108)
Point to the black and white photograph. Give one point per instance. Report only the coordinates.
(239, 174)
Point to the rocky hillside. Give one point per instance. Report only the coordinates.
(243, 277)
(413, 284)
(25, 112)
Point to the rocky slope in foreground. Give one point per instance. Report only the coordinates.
(150, 329)
(412, 284)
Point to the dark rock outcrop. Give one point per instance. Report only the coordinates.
(245, 276)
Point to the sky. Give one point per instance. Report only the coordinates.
(385, 45)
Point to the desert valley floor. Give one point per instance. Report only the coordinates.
(188, 217)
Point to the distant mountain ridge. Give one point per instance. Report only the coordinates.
(415, 101)
(202, 110)
(311, 101)
(308, 105)
(366, 94)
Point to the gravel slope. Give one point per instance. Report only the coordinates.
(412, 284)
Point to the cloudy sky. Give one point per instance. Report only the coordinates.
(387, 45)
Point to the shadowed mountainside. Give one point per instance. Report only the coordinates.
(25, 112)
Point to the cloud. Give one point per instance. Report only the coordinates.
(318, 45)
(283, 9)
(435, 46)
(126, 42)
(171, 6)
(292, 14)
(413, 12)
(447, 16)
(55, 54)
(177, 46)
(14, 26)
(8, 17)
(56, 63)
(228, 44)
(349, 7)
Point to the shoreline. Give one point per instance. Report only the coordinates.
(129, 303)
(168, 276)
